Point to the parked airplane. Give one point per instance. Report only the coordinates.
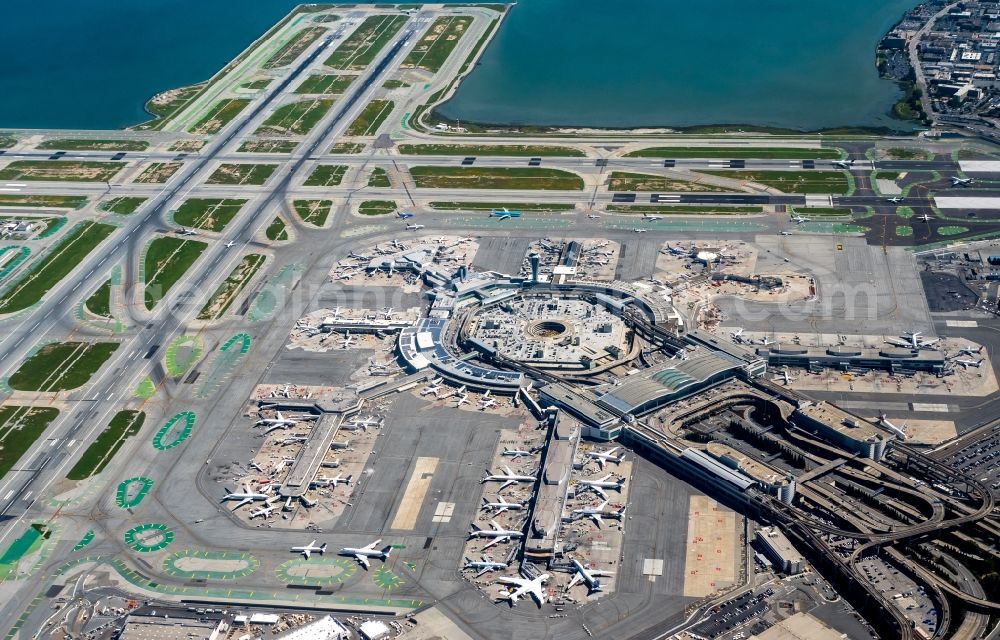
(497, 533)
(184, 231)
(787, 379)
(433, 387)
(462, 399)
(485, 565)
(968, 363)
(386, 313)
(507, 478)
(594, 513)
(601, 484)
(765, 341)
(346, 340)
(605, 457)
(323, 481)
(414, 227)
(961, 182)
(737, 333)
(364, 424)
(245, 497)
(898, 431)
(360, 256)
(797, 219)
(499, 507)
(489, 403)
(676, 251)
(280, 422)
(310, 549)
(524, 586)
(969, 350)
(589, 577)
(894, 199)
(264, 512)
(515, 453)
(362, 554)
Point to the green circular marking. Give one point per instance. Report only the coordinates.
(149, 537)
(178, 361)
(217, 565)
(181, 426)
(386, 579)
(316, 572)
(243, 341)
(136, 487)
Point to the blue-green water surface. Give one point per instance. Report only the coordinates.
(794, 63)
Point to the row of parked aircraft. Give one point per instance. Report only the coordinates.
(361, 554)
(523, 586)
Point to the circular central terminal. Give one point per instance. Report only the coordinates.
(547, 328)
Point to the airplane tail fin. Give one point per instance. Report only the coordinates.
(322, 548)
(386, 551)
(349, 476)
(473, 527)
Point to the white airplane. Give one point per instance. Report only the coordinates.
(605, 457)
(489, 403)
(310, 549)
(359, 256)
(785, 377)
(797, 219)
(675, 251)
(638, 230)
(507, 478)
(293, 440)
(500, 507)
(364, 424)
(649, 217)
(386, 313)
(264, 512)
(230, 244)
(280, 422)
(497, 533)
(961, 182)
(784, 233)
(925, 217)
(483, 566)
(969, 350)
(589, 577)
(594, 216)
(525, 586)
(346, 340)
(968, 363)
(844, 164)
(184, 231)
(433, 387)
(515, 453)
(245, 497)
(765, 341)
(399, 246)
(594, 513)
(457, 392)
(894, 199)
(334, 315)
(599, 485)
(462, 399)
(898, 431)
(737, 333)
(919, 343)
(369, 551)
(323, 481)
(414, 227)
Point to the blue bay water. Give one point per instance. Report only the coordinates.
(94, 63)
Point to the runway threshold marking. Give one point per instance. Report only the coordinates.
(416, 489)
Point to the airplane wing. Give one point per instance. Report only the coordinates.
(496, 540)
(370, 547)
(506, 484)
(601, 462)
(496, 527)
(575, 581)
(596, 517)
(599, 491)
(535, 587)
(363, 560)
(242, 502)
(306, 552)
(484, 570)
(611, 450)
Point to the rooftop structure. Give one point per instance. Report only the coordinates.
(777, 547)
(150, 627)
